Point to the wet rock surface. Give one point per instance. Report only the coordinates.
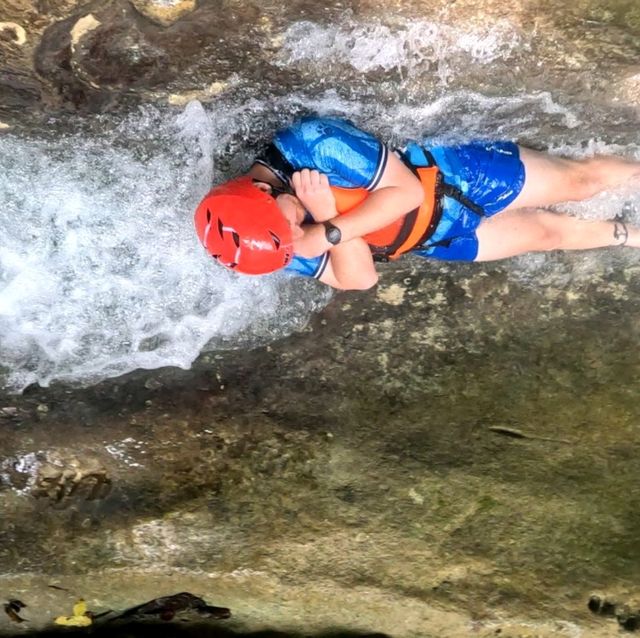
(163, 12)
(95, 54)
(277, 484)
(451, 454)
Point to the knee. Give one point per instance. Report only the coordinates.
(588, 177)
(550, 235)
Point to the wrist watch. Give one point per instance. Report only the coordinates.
(332, 233)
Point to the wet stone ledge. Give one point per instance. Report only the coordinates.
(451, 450)
(96, 55)
(451, 454)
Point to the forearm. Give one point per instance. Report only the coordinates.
(399, 192)
(383, 207)
(351, 266)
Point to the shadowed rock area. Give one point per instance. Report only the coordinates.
(462, 471)
(96, 54)
(451, 454)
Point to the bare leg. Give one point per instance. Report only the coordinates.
(524, 227)
(521, 231)
(551, 180)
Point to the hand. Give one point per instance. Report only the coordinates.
(313, 242)
(312, 189)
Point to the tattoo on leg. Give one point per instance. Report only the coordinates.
(620, 231)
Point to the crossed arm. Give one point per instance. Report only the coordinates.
(350, 264)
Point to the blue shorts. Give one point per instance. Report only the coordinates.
(490, 174)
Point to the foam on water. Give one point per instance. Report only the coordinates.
(406, 47)
(100, 269)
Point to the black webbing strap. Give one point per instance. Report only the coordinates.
(448, 190)
(382, 253)
(455, 193)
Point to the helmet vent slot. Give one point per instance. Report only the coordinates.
(276, 239)
(243, 227)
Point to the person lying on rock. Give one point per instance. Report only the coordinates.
(326, 200)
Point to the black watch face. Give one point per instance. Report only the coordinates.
(333, 234)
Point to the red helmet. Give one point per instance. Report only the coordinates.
(243, 228)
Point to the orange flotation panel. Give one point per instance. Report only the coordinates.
(407, 231)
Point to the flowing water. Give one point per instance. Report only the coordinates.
(465, 435)
(101, 272)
